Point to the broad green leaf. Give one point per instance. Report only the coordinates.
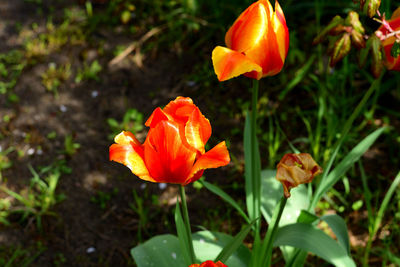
(339, 228)
(335, 175)
(159, 251)
(209, 244)
(182, 234)
(165, 250)
(309, 238)
(307, 217)
(234, 244)
(218, 191)
(272, 192)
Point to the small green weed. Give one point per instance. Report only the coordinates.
(102, 198)
(132, 121)
(5, 162)
(89, 72)
(53, 77)
(36, 201)
(70, 147)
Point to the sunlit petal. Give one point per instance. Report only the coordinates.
(248, 28)
(228, 63)
(214, 158)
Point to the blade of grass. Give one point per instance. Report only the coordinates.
(229, 249)
(218, 191)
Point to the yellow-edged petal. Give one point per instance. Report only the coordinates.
(197, 130)
(129, 152)
(214, 158)
(229, 63)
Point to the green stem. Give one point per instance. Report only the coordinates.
(254, 150)
(187, 222)
(271, 233)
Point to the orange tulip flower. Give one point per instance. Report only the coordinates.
(295, 169)
(209, 264)
(388, 27)
(257, 44)
(173, 151)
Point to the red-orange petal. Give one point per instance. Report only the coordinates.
(157, 116)
(281, 30)
(248, 28)
(129, 152)
(229, 63)
(197, 130)
(168, 159)
(180, 109)
(214, 158)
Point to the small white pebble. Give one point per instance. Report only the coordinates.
(94, 94)
(90, 250)
(191, 83)
(63, 108)
(30, 151)
(162, 186)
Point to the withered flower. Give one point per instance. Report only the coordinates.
(295, 169)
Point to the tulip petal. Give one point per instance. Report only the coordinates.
(248, 28)
(180, 109)
(168, 159)
(157, 116)
(267, 54)
(281, 30)
(197, 130)
(129, 152)
(214, 158)
(396, 13)
(229, 64)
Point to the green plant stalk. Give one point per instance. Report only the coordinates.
(187, 222)
(379, 216)
(267, 246)
(256, 176)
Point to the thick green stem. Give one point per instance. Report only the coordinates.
(185, 214)
(254, 150)
(271, 233)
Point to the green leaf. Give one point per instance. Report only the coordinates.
(218, 191)
(307, 217)
(159, 251)
(234, 244)
(209, 244)
(335, 175)
(165, 250)
(248, 172)
(272, 192)
(309, 238)
(339, 228)
(385, 203)
(182, 234)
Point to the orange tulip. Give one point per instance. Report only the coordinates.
(173, 151)
(295, 169)
(257, 44)
(388, 27)
(209, 264)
